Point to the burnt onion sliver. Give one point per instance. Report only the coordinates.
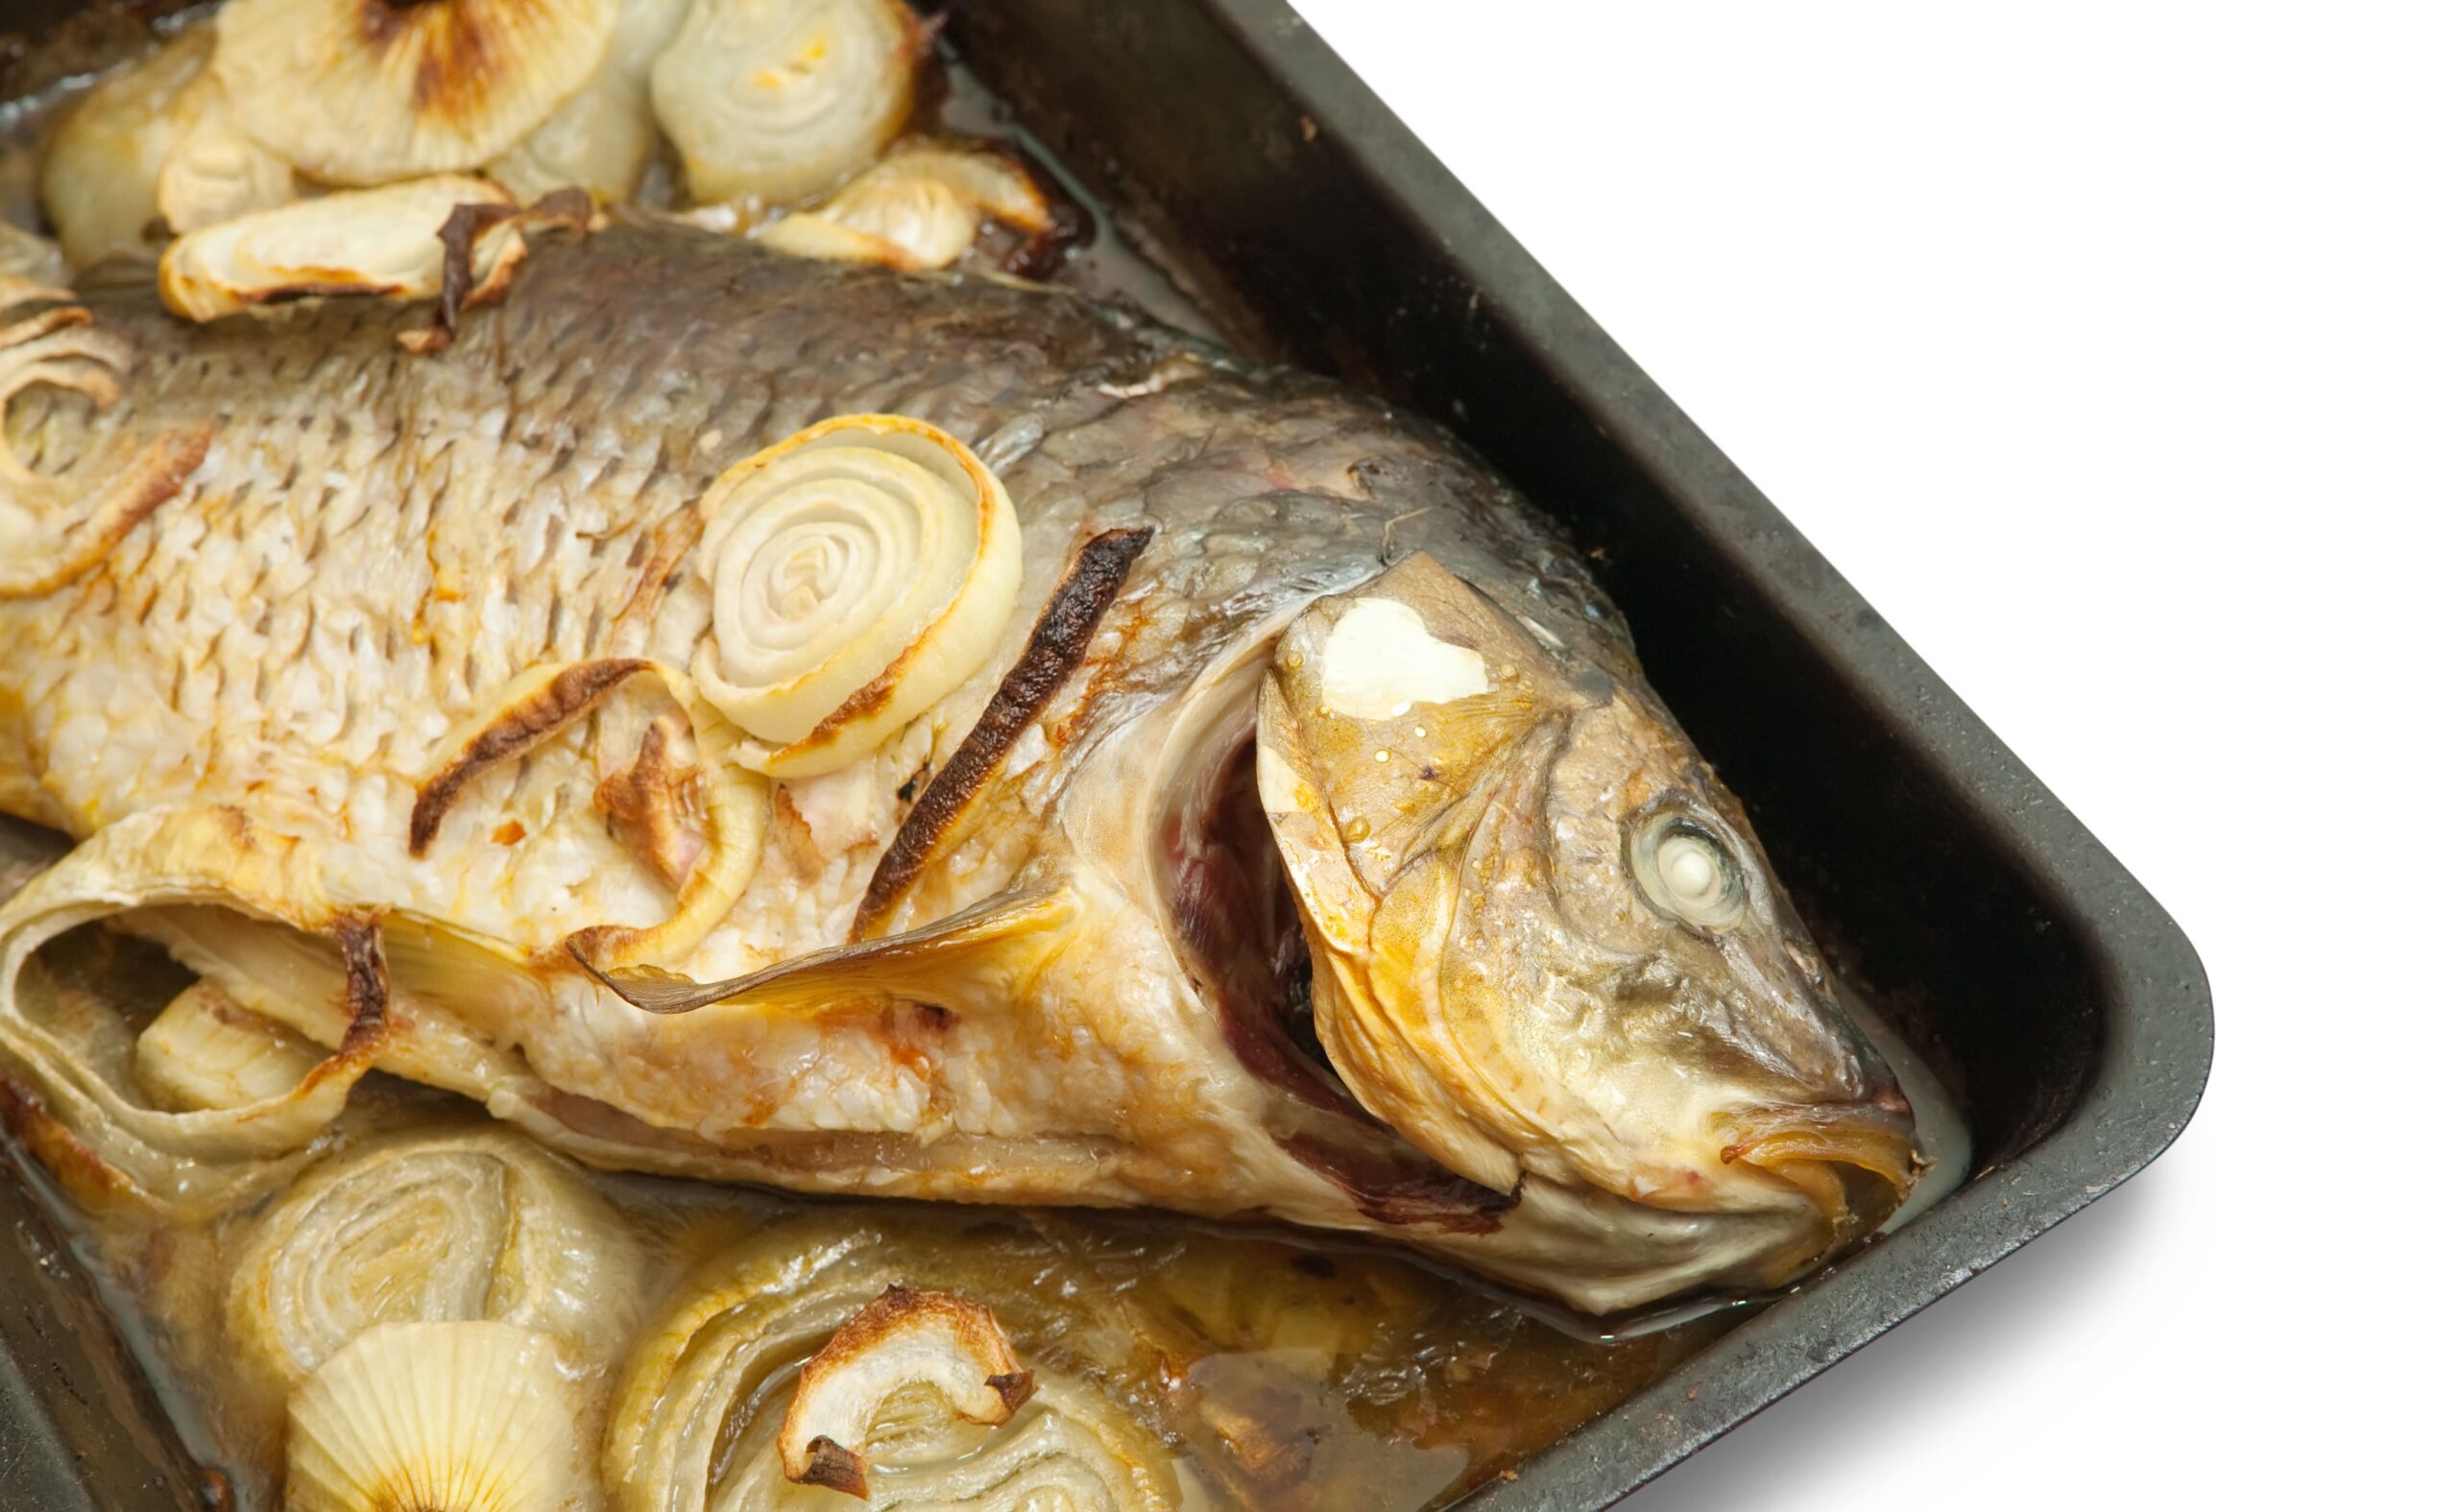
(708, 1386)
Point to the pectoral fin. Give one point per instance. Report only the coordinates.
(1003, 937)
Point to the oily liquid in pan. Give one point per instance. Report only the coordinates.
(1394, 1385)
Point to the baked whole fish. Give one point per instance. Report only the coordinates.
(1256, 812)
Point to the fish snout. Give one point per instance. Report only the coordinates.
(1856, 1161)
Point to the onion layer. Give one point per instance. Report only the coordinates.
(363, 92)
(453, 1417)
(918, 209)
(704, 1391)
(775, 102)
(64, 1062)
(932, 1343)
(99, 176)
(386, 242)
(602, 138)
(475, 1224)
(859, 571)
(216, 171)
(204, 1051)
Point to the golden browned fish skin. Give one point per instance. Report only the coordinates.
(1569, 1033)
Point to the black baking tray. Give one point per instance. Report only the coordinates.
(2066, 1009)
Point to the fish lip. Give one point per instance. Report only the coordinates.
(1812, 1146)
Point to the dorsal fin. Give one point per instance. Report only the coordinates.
(1007, 931)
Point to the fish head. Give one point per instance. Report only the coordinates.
(1546, 943)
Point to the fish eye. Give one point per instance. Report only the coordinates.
(1686, 872)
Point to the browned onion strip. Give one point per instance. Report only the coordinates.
(55, 527)
(904, 1338)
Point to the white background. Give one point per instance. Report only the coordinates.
(2112, 351)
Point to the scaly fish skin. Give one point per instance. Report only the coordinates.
(1528, 1065)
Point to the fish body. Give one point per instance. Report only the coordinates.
(1277, 862)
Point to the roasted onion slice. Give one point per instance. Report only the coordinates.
(707, 1390)
(215, 171)
(99, 177)
(436, 1416)
(858, 572)
(474, 1224)
(366, 91)
(776, 102)
(918, 209)
(69, 1089)
(602, 138)
(387, 242)
(931, 1343)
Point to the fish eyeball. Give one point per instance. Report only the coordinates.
(1686, 872)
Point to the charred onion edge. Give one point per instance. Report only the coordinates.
(460, 233)
(917, 1320)
(1057, 647)
(531, 719)
(62, 347)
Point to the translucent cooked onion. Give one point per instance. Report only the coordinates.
(215, 171)
(436, 1416)
(465, 1224)
(65, 1061)
(204, 1051)
(706, 1390)
(366, 91)
(858, 571)
(386, 242)
(777, 100)
(602, 138)
(918, 209)
(99, 176)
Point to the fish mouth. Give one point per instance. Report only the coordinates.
(1856, 1161)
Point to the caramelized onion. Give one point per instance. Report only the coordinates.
(927, 1341)
(470, 1224)
(387, 242)
(775, 102)
(918, 209)
(704, 1394)
(365, 91)
(859, 571)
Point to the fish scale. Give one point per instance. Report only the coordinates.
(377, 548)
